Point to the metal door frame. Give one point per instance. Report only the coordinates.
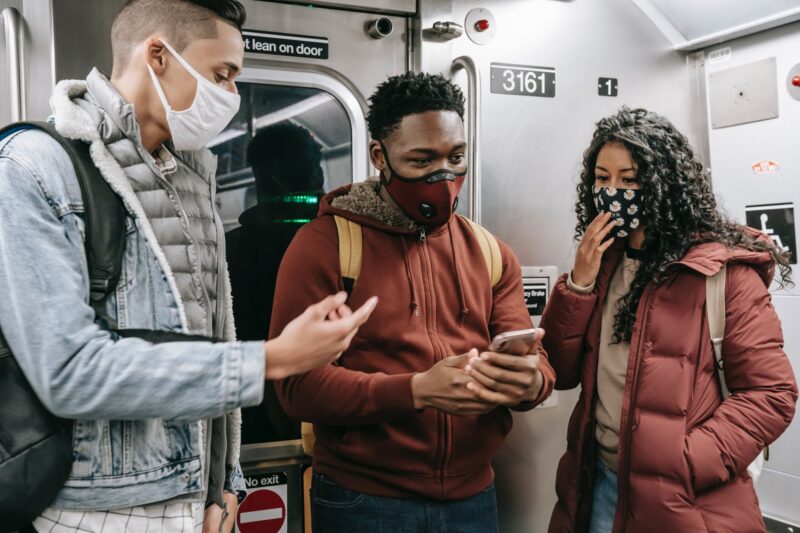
(315, 78)
(309, 76)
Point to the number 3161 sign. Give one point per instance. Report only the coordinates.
(522, 80)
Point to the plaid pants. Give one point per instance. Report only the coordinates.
(167, 518)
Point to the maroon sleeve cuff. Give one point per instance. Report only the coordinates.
(548, 380)
(392, 395)
(705, 460)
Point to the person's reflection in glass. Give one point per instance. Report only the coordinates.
(286, 162)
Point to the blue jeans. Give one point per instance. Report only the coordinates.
(604, 499)
(336, 509)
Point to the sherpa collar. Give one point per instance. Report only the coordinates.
(363, 199)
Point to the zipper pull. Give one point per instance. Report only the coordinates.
(422, 235)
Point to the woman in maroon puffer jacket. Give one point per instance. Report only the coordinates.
(651, 445)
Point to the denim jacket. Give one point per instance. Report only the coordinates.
(139, 408)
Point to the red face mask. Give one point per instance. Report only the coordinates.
(430, 199)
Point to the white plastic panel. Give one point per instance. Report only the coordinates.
(698, 19)
(743, 94)
(693, 24)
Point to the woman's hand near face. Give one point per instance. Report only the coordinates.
(591, 250)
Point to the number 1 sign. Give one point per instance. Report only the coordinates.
(522, 80)
(607, 86)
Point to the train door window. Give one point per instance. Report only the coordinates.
(287, 146)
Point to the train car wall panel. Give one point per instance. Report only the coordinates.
(376, 6)
(758, 164)
(354, 56)
(531, 155)
(63, 39)
(63, 42)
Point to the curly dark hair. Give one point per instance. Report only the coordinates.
(678, 200)
(407, 94)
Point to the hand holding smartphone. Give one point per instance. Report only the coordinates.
(516, 342)
(509, 373)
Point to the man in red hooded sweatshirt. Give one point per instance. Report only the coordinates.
(408, 420)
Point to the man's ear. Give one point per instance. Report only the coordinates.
(377, 156)
(155, 52)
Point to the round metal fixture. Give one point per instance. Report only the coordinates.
(380, 28)
(481, 26)
(793, 82)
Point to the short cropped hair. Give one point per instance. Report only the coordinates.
(408, 94)
(183, 21)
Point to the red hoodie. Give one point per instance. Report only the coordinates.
(436, 301)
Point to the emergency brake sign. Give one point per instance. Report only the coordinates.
(536, 292)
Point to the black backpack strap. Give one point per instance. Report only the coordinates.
(160, 337)
(104, 212)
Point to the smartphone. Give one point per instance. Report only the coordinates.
(516, 342)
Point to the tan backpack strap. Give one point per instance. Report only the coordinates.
(350, 250)
(308, 438)
(715, 311)
(490, 250)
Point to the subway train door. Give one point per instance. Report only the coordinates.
(300, 132)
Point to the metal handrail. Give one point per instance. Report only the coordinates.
(12, 22)
(473, 132)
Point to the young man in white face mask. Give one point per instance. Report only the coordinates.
(156, 431)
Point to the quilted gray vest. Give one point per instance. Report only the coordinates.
(179, 205)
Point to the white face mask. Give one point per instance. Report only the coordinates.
(213, 108)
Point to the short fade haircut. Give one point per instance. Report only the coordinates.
(183, 21)
(409, 94)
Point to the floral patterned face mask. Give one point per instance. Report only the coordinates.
(623, 204)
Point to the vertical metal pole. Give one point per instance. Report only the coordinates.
(473, 132)
(12, 21)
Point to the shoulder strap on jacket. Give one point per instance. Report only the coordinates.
(715, 310)
(350, 251)
(490, 250)
(308, 438)
(104, 212)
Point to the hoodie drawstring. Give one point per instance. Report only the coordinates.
(414, 306)
(463, 299)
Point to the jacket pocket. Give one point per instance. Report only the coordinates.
(151, 446)
(476, 439)
(91, 448)
(182, 438)
(130, 257)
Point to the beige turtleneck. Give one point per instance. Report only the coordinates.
(612, 367)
